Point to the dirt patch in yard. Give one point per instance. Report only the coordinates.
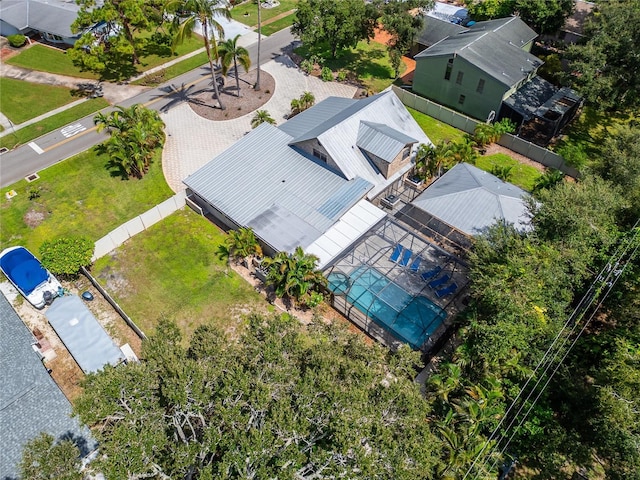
(250, 100)
(63, 368)
(495, 148)
(35, 217)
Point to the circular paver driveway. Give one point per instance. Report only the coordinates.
(192, 141)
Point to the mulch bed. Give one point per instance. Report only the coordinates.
(205, 105)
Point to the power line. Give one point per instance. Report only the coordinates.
(608, 276)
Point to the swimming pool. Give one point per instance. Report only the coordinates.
(410, 319)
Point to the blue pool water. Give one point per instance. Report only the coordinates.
(409, 319)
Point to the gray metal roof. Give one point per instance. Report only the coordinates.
(435, 29)
(510, 30)
(382, 140)
(320, 114)
(321, 123)
(503, 61)
(51, 16)
(30, 401)
(338, 135)
(288, 197)
(471, 200)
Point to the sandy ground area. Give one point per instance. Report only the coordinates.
(236, 106)
(64, 369)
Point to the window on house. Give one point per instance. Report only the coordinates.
(406, 152)
(320, 155)
(461, 99)
(447, 73)
(459, 78)
(480, 87)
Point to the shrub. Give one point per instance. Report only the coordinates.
(66, 255)
(342, 76)
(327, 74)
(17, 40)
(34, 192)
(575, 154)
(306, 66)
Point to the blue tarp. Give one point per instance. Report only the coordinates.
(81, 333)
(23, 269)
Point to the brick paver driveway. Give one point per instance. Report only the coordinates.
(192, 141)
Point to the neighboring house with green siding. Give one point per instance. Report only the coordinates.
(486, 71)
(475, 70)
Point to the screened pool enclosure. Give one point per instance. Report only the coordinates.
(396, 285)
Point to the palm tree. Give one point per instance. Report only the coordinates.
(262, 116)
(293, 275)
(205, 12)
(257, 85)
(305, 101)
(242, 244)
(135, 133)
(549, 179)
(503, 172)
(229, 51)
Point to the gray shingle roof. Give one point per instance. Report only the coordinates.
(503, 61)
(435, 30)
(30, 401)
(510, 30)
(288, 197)
(382, 140)
(51, 16)
(471, 200)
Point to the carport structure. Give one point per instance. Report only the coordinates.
(397, 286)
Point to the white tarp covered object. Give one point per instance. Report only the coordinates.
(81, 333)
(357, 221)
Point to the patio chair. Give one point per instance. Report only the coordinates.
(406, 256)
(415, 265)
(448, 290)
(431, 273)
(395, 255)
(439, 281)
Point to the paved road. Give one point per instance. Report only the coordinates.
(81, 134)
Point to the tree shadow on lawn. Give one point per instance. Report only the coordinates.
(365, 62)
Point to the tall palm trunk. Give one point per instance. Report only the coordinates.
(235, 67)
(257, 85)
(205, 28)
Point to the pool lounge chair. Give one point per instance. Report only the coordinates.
(406, 256)
(443, 292)
(415, 265)
(395, 255)
(439, 281)
(431, 273)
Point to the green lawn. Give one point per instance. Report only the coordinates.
(51, 60)
(46, 59)
(168, 73)
(435, 129)
(77, 197)
(247, 12)
(368, 62)
(22, 100)
(28, 133)
(522, 175)
(173, 270)
(583, 139)
(278, 25)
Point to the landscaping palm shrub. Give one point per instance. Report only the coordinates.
(17, 40)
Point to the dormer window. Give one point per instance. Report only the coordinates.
(320, 155)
